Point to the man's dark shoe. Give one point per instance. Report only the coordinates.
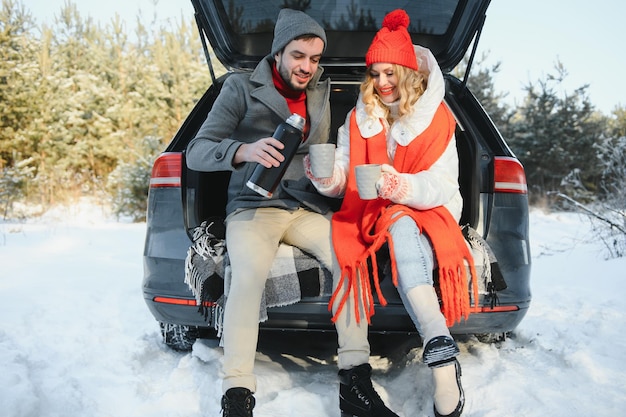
(237, 402)
(357, 397)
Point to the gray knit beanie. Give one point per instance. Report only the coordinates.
(291, 24)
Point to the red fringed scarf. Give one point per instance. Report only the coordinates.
(361, 227)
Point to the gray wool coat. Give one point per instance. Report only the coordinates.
(250, 108)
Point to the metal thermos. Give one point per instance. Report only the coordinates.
(265, 180)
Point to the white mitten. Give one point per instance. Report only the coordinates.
(322, 182)
(393, 185)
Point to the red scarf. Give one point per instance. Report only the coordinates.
(296, 99)
(361, 227)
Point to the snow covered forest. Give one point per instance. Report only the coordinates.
(86, 107)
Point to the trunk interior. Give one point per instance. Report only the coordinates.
(204, 193)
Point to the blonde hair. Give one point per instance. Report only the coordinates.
(411, 86)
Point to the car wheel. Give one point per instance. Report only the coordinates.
(179, 337)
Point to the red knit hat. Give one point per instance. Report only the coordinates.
(393, 43)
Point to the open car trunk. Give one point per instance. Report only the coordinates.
(204, 193)
(239, 34)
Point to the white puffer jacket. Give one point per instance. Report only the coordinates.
(431, 188)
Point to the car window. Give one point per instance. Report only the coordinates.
(241, 31)
(253, 16)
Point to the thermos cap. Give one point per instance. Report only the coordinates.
(296, 121)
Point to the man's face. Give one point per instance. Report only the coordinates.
(298, 61)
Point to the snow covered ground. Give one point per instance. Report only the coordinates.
(76, 338)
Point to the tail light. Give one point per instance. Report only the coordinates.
(182, 301)
(509, 176)
(166, 170)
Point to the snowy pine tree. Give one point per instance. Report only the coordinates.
(77, 98)
(553, 133)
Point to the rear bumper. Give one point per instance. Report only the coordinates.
(178, 307)
(314, 316)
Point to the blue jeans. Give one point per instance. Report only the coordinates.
(414, 259)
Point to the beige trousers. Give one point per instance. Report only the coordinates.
(252, 239)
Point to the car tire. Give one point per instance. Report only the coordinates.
(178, 337)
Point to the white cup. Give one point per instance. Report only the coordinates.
(322, 157)
(366, 177)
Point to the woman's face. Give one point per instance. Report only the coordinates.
(385, 81)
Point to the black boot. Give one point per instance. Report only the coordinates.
(237, 402)
(357, 397)
(440, 351)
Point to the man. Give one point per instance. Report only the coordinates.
(237, 135)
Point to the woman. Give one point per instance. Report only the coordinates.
(401, 122)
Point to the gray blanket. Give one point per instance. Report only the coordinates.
(294, 274)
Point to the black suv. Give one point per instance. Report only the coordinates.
(493, 182)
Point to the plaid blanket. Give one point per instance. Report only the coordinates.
(294, 274)
(490, 279)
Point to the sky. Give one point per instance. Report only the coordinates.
(526, 37)
(77, 339)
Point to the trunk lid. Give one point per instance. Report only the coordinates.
(241, 31)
